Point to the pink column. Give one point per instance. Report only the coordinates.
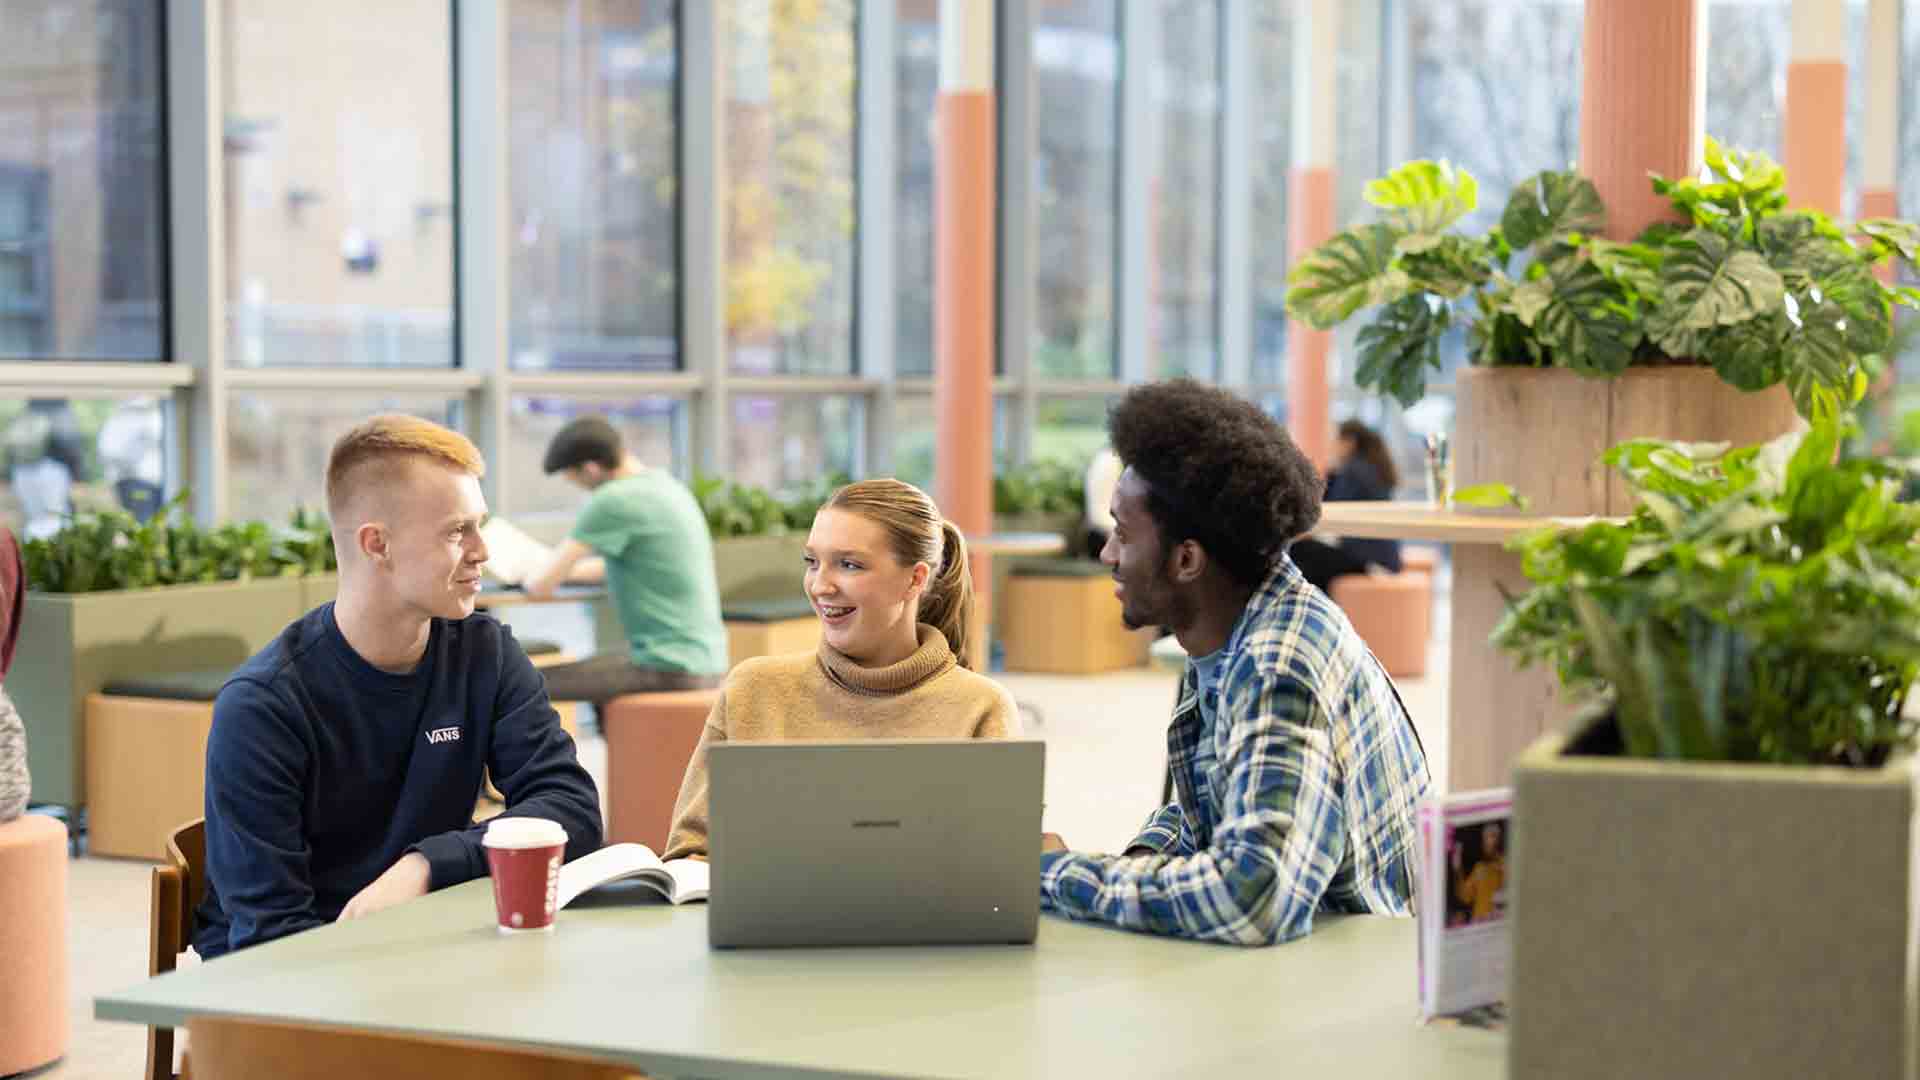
(1816, 121)
(1642, 104)
(963, 285)
(1310, 214)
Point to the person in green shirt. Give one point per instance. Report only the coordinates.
(641, 532)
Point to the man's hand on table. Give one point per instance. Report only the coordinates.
(405, 880)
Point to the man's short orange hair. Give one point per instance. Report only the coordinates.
(375, 452)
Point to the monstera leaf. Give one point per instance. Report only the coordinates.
(1351, 271)
(1397, 348)
(1709, 283)
(1425, 196)
(1581, 315)
(1549, 206)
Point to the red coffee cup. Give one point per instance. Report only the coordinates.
(524, 857)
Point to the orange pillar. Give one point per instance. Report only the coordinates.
(963, 284)
(1816, 121)
(1310, 213)
(1642, 104)
(1880, 149)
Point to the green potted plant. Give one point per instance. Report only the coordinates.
(1717, 325)
(1045, 496)
(1712, 874)
(112, 597)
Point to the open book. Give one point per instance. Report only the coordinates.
(680, 881)
(512, 555)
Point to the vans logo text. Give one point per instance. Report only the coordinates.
(444, 734)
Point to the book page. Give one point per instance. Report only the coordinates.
(690, 877)
(608, 864)
(512, 555)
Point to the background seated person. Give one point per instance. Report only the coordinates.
(1297, 770)
(656, 556)
(1363, 470)
(888, 578)
(346, 757)
(15, 784)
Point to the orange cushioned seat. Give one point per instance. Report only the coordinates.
(650, 739)
(33, 943)
(1393, 614)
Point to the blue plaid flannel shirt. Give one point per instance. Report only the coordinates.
(1302, 801)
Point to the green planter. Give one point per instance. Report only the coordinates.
(73, 645)
(317, 589)
(1676, 918)
(760, 567)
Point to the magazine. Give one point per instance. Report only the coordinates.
(1464, 935)
(681, 881)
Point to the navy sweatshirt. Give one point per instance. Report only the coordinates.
(322, 771)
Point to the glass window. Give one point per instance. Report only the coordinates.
(1076, 177)
(784, 441)
(789, 71)
(1749, 44)
(1184, 193)
(1070, 430)
(913, 438)
(593, 175)
(278, 442)
(82, 222)
(652, 429)
(1909, 159)
(917, 81)
(1270, 23)
(339, 183)
(87, 454)
(1496, 90)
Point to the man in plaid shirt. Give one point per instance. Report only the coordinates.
(1296, 766)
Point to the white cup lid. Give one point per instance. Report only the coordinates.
(524, 832)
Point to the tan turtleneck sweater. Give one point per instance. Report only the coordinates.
(825, 695)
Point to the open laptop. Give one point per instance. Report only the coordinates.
(875, 842)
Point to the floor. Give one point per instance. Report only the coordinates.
(1106, 750)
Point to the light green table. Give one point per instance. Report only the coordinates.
(635, 981)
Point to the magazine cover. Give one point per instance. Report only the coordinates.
(1464, 939)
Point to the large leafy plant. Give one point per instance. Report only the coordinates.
(734, 509)
(112, 550)
(1761, 293)
(1761, 604)
(1039, 487)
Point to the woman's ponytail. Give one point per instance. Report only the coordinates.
(948, 604)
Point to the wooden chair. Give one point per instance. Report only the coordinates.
(228, 1049)
(178, 888)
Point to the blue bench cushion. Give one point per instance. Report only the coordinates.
(201, 685)
(1070, 568)
(766, 611)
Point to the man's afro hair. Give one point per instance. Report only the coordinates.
(1219, 471)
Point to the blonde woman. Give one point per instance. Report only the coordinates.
(888, 578)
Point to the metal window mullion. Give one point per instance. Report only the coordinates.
(702, 193)
(1013, 210)
(196, 252)
(1235, 248)
(877, 184)
(1138, 36)
(481, 198)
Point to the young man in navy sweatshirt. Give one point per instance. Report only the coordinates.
(346, 757)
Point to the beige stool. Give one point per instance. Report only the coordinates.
(33, 942)
(650, 739)
(1062, 617)
(1393, 614)
(770, 628)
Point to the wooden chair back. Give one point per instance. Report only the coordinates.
(178, 887)
(228, 1049)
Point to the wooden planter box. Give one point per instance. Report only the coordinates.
(73, 645)
(1681, 919)
(1542, 430)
